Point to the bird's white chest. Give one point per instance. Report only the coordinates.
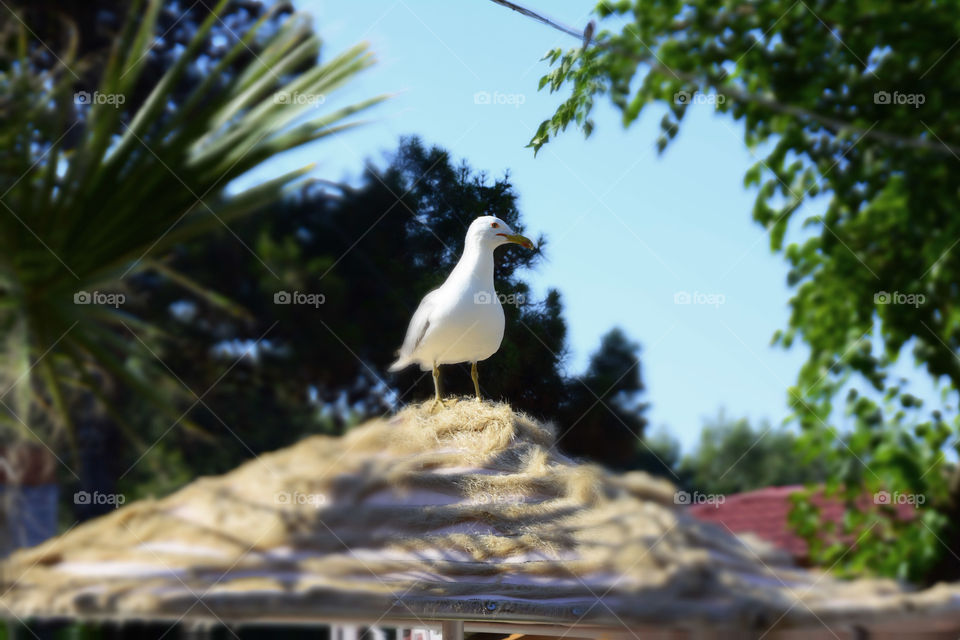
(469, 325)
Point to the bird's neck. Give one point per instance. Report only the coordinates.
(476, 266)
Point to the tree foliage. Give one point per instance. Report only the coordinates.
(601, 414)
(734, 456)
(86, 31)
(856, 103)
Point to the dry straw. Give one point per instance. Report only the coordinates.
(469, 512)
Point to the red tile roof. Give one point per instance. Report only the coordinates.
(764, 512)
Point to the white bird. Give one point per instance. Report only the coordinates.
(462, 321)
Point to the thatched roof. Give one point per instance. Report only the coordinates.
(466, 513)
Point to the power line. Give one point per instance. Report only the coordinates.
(539, 18)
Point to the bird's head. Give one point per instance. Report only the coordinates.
(491, 231)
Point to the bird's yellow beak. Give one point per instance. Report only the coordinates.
(523, 241)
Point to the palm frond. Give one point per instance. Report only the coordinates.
(90, 194)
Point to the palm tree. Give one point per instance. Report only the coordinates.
(93, 194)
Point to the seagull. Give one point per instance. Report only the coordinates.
(462, 321)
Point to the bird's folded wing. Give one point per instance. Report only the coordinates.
(419, 326)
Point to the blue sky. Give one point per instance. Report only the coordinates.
(627, 229)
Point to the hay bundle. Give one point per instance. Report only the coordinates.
(467, 513)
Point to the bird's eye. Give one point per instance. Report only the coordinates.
(495, 225)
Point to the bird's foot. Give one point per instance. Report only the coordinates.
(437, 403)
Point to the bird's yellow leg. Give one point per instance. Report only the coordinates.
(436, 388)
(476, 381)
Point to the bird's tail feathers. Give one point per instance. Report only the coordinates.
(401, 363)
